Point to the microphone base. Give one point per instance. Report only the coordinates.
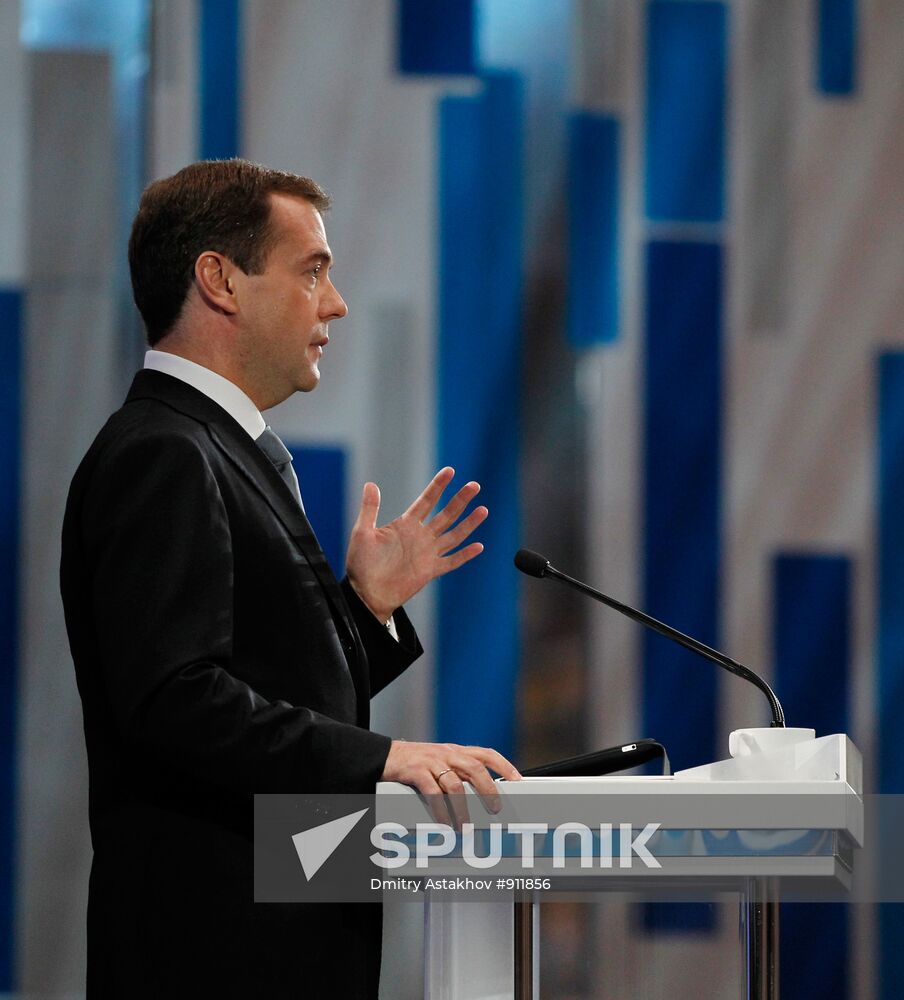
(747, 742)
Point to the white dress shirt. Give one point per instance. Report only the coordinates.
(227, 394)
(214, 386)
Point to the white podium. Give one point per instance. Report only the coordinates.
(785, 809)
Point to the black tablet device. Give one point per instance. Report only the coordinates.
(599, 762)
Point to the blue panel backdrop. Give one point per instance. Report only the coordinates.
(220, 82)
(681, 527)
(682, 468)
(684, 181)
(480, 218)
(685, 111)
(890, 665)
(836, 46)
(436, 38)
(593, 207)
(811, 611)
(321, 475)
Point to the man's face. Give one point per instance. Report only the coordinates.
(286, 309)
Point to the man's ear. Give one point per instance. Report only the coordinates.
(214, 276)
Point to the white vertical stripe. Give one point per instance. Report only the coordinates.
(69, 389)
(615, 469)
(173, 87)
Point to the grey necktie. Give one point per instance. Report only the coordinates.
(271, 445)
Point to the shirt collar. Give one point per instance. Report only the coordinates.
(223, 392)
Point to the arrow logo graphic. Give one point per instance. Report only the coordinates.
(314, 846)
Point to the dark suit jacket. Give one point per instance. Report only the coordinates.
(216, 656)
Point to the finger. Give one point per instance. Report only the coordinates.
(480, 780)
(434, 800)
(453, 538)
(370, 507)
(496, 762)
(430, 497)
(459, 558)
(439, 810)
(454, 789)
(453, 510)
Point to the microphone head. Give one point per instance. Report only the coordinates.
(531, 563)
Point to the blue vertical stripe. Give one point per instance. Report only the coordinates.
(812, 635)
(890, 544)
(684, 180)
(685, 111)
(836, 46)
(436, 38)
(219, 65)
(10, 459)
(480, 219)
(811, 652)
(890, 640)
(682, 469)
(593, 203)
(321, 475)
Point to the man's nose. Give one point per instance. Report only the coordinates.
(334, 304)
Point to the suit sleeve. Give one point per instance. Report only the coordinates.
(154, 530)
(387, 657)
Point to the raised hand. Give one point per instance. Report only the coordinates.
(389, 565)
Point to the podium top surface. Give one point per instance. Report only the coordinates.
(829, 765)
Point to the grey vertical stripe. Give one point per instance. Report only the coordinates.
(70, 387)
(767, 120)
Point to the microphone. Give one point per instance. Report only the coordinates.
(533, 564)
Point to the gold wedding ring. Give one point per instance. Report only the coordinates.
(441, 773)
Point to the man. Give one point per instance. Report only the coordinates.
(216, 654)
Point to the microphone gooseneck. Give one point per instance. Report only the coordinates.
(533, 564)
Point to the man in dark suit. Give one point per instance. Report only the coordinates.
(216, 654)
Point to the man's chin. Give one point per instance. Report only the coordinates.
(310, 380)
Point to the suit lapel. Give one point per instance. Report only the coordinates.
(231, 438)
(259, 470)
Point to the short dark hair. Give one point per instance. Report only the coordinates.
(221, 205)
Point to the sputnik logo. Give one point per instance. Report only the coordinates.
(315, 846)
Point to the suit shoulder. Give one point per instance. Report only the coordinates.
(143, 434)
(149, 426)
(153, 420)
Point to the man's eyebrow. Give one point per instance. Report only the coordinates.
(321, 255)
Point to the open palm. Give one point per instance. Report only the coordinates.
(389, 565)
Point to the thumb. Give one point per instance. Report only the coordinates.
(370, 507)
